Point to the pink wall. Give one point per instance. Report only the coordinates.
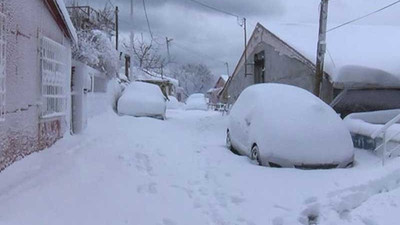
(23, 132)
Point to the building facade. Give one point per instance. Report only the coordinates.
(36, 42)
(213, 93)
(270, 60)
(349, 88)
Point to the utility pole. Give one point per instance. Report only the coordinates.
(127, 66)
(131, 36)
(321, 48)
(116, 28)
(227, 68)
(168, 40)
(245, 45)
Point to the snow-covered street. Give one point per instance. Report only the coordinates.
(126, 170)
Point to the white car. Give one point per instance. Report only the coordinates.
(196, 102)
(284, 126)
(142, 99)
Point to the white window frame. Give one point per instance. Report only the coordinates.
(3, 45)
(53, 70)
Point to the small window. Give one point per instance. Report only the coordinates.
(54, 77)
(2, 66)
(259, 68)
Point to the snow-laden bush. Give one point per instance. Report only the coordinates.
(96, 49)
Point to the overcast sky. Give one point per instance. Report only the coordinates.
(213, 38)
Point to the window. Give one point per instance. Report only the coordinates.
(54, 74)
(2, 66)
(259, 68)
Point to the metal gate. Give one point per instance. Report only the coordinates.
(53, 69)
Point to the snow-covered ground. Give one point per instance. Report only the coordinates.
(142, 171)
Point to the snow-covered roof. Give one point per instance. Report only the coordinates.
(369, 46)
(67, 20)
(146, 75)
(225, 77)
(362, 77)
(211, 90)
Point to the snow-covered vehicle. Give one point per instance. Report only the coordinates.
(284, 126)
(142, 99)
(173, 103)
(196, 101)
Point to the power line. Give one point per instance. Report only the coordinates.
(215, 9)
(178, 45)
(147, 19)
(362, 17)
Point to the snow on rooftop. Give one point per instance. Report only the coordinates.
(369, 46)
(67, 20)
(225, 77)
(358, 76)
(143, 74)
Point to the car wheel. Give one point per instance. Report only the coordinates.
(229, 144)
(228, 140)
(255, 154)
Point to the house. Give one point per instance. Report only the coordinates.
(35, 80)
(213, 93)
(354, 65)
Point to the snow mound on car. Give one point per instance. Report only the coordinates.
(196, 101)
(173, 103)
(292, 124)
(142, 99)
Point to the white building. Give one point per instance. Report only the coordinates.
(35, 82)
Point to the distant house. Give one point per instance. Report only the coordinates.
(213, 93)
(36, 37)
(356, 66)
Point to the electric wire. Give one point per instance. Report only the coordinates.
(362, 17)
(215, 9)
(147, 19)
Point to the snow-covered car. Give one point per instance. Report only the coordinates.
(284, 126)
(173, 103)
(142, 99)
(196, 102)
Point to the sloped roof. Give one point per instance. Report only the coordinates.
(60, 13)
(364, 48)
(143, 74)
(225, 77)
(375, 47)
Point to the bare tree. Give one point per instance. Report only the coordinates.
(194, 78)
(146, 54)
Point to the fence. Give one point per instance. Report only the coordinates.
(386, 138)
